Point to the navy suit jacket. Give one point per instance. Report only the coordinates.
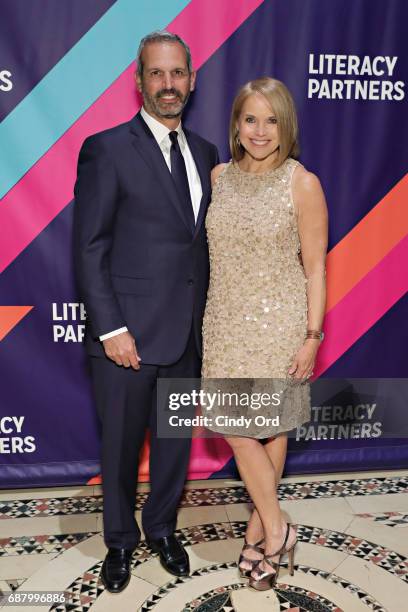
(136, 260)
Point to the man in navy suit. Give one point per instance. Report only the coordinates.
(141, 260)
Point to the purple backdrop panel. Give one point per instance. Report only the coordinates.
(347, 73)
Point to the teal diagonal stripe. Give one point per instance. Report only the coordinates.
(78, 79)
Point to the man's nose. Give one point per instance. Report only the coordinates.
(167, 81)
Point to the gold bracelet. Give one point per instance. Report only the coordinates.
(315, 334)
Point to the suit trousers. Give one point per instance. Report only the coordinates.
(126, 402)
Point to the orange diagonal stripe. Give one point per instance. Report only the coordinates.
(367, 243)
(10, 316)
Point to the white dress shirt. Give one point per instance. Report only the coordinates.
(161, 135)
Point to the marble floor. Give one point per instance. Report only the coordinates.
(352, 553)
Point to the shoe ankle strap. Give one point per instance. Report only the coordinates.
(282, 549)
(254, 547)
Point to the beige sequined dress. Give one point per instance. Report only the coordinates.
(256, 313)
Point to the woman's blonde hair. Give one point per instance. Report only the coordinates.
(283, 106)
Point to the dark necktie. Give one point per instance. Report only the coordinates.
(179, 174)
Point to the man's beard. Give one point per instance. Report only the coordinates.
(154, 104)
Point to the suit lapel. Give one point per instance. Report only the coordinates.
(146, 145)
(204, 174)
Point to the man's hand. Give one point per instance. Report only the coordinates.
(122, 350)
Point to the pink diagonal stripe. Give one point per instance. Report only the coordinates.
(364, 305)
(47, 188)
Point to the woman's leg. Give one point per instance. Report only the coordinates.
(276, 449)
(259, 475)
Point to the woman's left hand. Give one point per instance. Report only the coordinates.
(304, 360)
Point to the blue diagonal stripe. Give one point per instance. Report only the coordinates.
(78, 79)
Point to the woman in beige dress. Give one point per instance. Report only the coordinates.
(267, 236)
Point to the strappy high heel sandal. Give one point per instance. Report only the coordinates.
(245, 572)
(267, 580)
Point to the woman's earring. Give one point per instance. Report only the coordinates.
(237, 139)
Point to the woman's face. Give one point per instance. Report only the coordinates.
(258, 129)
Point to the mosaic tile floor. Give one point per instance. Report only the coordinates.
(352, 553)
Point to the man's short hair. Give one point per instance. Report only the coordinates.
(161, 36)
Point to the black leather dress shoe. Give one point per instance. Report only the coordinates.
(173, 557)
(115, 573)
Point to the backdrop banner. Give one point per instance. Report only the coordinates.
(66, 71)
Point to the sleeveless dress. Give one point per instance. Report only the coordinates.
(256, 313)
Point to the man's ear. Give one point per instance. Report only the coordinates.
(193, 80)
(138, 82)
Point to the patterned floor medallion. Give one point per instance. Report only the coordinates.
(86, 588)
(83, 591)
